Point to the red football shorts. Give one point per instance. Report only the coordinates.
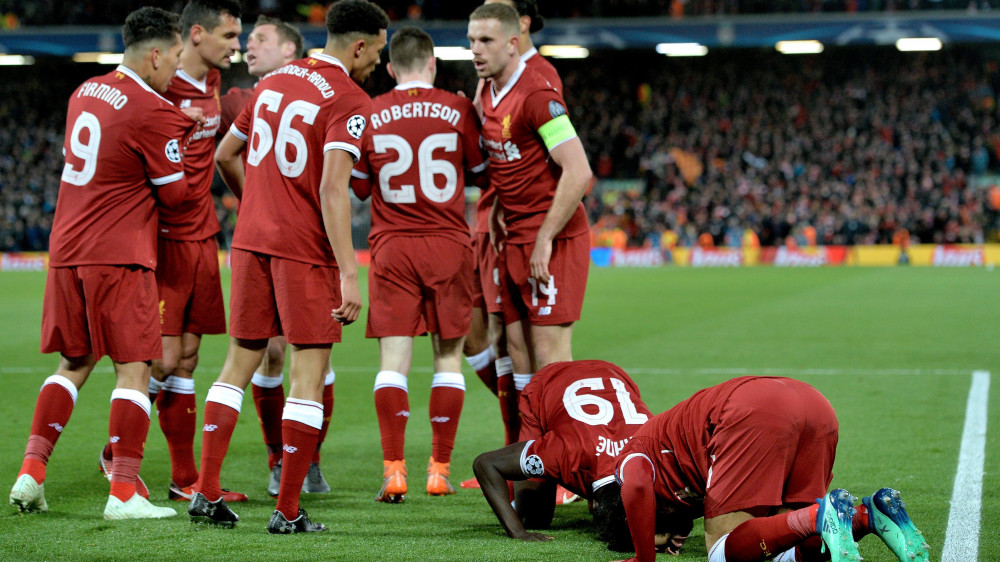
(187, 276)
(487, 285)
(558, 302)
(273, 296)
(101, 310)
(419, 284)
(774, 445)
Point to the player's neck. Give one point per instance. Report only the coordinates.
(525, 44)
(345, 56)
(423, 77)
(192, 64)
(500, 80)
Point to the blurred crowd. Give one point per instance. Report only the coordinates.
(854, 146)
(17, 13)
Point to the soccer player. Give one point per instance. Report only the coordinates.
(540, 173)
(188, 276)
(486, 345)
(413, 162)
(124, 154)
(273, 44)
(751, 455)
(294, 270)
(575, 415)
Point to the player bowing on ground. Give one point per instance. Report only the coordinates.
(294, 270)
(420, 141)
(188, 276)
(751, 455)
(575, 414)
(540, 173)
(124, 146)
(272, 44)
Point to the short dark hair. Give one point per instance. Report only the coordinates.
(410, 47)
(530, 8)
(503, 13)
(207, 13)
(150, 24)
(355, 16)
(609, 518)
(285, 32)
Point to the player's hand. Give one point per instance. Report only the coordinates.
(671, 544)
(534, 537)
(477, 101)
(196, 114)
(350, 306)
(539, 261)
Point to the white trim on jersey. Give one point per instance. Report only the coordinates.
(202, 85)
(524, 455)
(238, 133)
(359, 175)
(131, 74)
(332, 60)
(167, 179)
(349, 148)
(413, 84)
(528, 54)
(480, 167)
(621, 467)
(496, 97)
(602, 482)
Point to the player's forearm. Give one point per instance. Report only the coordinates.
(569, 192)
(336, 207)
(640, 512)
(230, 164)
(494, 487)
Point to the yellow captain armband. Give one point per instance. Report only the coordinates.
(557, 131)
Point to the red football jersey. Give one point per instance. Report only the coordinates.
(577, 417)
(123, 143)
(415, 153)
(298, 112)
(520, 169)
(232, 103)
(541, 66)
(196, 219)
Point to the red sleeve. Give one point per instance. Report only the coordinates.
(161, 146)
(243, 121)
(346, 128)
(232, 104)
(551, 449)
(531, 426)
(542, 106)
(471, 149)
(361, 175)
(636, 476)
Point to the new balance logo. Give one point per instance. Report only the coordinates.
(289, 449)
(545, 311)
(115, 439)
(440, 419)
(56, 426)
(210, 427)
(404, 413)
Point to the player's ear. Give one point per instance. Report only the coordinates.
(196, 31)
(388, 68)
(155, 57)
(525, 22)
(287, 50)
(359, 47)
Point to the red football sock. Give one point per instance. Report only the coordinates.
(812, 550)
(222, 409)
(859, 523)
(177, 413)
(52, 410)
(269, 402)
(327, 415)
(762, 538)
(508, 397)
(483, 364)
(300, 433)
(447, 396)
(128, 426)
(392, 404)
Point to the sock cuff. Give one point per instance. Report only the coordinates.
(154, 386)
(504, 365)
(451, 380)
(65, 383)
(303, 411)
(178, 385)
(521, 381)
(482, 359)
(264, 381)
(390, 379)
(140, 399)
(226, 394)
(331, 378)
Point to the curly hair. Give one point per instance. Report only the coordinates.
(355, 16)
(609, 518)
(150, 24)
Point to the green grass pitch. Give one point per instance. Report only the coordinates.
(892, 348)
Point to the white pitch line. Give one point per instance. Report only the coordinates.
(961, 540)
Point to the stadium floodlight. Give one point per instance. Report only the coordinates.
(682, 49)
(16, 60)
(564, 51)
(453, 53)
(807, 47)
(918, 44)
(99, 58)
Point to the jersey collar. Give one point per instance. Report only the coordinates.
(413, 84)
(331, 60)
(529, 53)
(131, 74)
(496, 97)
(201, 85)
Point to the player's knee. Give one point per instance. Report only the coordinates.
(189, 362)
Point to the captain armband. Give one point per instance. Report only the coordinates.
(556, 131)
